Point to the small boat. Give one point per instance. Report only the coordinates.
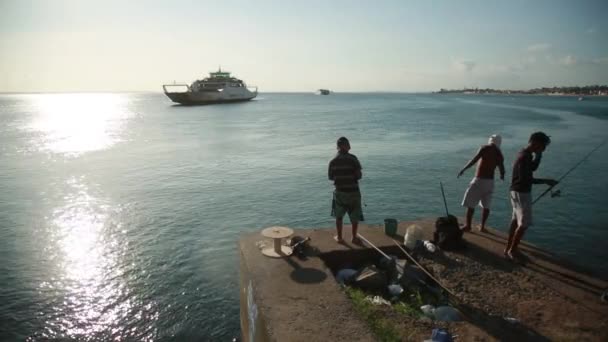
(324, 91)
(219, 87)
(581, 98)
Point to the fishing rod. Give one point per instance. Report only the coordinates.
(558, 192)
(445, 203)
(423, 269)
(379, 251)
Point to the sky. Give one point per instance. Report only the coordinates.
(402, 46)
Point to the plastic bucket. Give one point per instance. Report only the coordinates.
(390, 226)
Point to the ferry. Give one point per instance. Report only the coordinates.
(219, 87)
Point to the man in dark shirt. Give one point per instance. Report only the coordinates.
(521, 187)
(481, 188)
(345, 171)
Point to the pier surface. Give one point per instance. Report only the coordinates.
(291, 299)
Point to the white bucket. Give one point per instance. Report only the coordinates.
(412, 234)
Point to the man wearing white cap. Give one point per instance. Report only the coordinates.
(482, 186)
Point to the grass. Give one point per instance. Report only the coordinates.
(383, 329)
(409, 304)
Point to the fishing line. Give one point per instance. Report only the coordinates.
(558, 192)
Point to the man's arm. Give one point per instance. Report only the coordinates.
(534, 166)
(358, 173)
(471, 162)
(330, 174)
(548, 181)
(536, 162)
(501, 164)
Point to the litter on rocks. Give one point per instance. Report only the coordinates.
(395, 290)
(377, 300)
(440, 335)
(430, 246)
(346, 275)
(441, 313)
(447, 313)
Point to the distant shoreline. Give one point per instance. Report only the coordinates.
(593, 90)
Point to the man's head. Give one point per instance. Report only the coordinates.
(495, 139)
(343, 144)
(538, 142)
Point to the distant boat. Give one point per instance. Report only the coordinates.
(324, 91)
(581, 98)
(219, 87)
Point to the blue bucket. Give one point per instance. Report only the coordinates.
(390, 226)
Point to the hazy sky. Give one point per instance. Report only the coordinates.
(107, 45)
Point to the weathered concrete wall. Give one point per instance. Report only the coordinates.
(253, 327)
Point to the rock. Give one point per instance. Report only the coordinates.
(412, 275)
(426, 320)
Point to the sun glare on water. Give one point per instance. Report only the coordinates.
(88, 247)
(88, 288)
(73, 124)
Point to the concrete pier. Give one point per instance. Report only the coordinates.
(290, 299)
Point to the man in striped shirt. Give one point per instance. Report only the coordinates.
(345, 171)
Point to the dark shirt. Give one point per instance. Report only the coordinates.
(523, 169)
(345, 171)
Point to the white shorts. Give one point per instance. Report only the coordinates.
(479, 192)
(522, 208)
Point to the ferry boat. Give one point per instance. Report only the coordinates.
(219, 87)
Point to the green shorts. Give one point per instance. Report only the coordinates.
(347, 202)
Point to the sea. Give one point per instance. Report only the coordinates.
(120, 213)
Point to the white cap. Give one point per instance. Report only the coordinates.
(495, 139)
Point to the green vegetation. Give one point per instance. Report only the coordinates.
(409, 304)
(381, 327)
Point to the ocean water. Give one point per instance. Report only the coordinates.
(120, 213)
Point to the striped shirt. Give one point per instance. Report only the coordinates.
(345, 171)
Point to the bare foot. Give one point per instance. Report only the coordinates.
(465, 228)
(356, 241)
(338, 239)
(483, 229)
(510, 255)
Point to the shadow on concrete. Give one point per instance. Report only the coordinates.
(561, 263)
(486, 257)
(356, 258)
(566, 278)
(498, 327)
(345, 244)
(305, 275)
(500, 239)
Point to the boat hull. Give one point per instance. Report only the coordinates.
(193, 99)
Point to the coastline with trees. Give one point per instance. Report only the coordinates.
(592, 90)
